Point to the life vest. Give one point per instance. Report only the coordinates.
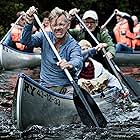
(93, 70)
(116, 31)
(123, 34)
(87, 71)
(15, 36)
(136, 30)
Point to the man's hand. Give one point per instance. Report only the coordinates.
(122, 14)
(100, 46)
(73, 11)
(104, 45)
(30, 14)
(63, 64)
(109, 55)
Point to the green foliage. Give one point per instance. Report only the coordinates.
(2, 31)
(104, 8)
(82, 4)
(8, 14)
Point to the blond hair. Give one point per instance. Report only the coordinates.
(84, 43)
(57, 12)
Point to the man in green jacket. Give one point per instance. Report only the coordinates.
(90, 18)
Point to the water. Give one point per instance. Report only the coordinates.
(122, 125)
(132, 71)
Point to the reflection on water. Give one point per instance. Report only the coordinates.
(7, 85)
(8, 78)
(122, 125)
(132, 71)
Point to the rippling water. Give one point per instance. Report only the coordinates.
(122, 125)
(132, 71)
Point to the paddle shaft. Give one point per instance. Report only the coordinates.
(110, 62)
(75, 86)
(109, 19)
(10, 29)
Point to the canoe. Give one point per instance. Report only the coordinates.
(36, 105)
(13, 59)
(124, 59)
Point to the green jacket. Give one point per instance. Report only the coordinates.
(101, 34)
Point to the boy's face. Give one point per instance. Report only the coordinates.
(84, 47)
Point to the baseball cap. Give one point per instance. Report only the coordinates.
(90, 14)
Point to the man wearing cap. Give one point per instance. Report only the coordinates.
(90, 19)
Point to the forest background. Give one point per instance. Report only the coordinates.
(104, 9)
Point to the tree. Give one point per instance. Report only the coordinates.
(104, 9)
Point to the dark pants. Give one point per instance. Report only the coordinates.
(67, 90)
(123, 48)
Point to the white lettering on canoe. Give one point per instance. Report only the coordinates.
(28, 88)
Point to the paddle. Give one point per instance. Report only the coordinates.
(109, 19)
(87, 108)
(131, 83)
(10, 29)
(111, 63)
(6, 35)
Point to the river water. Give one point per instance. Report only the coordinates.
(122, 124)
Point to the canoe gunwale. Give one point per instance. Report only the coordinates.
(128, 59)
(11, 58)
(28, 79)
(15, 50)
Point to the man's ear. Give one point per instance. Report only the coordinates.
(68, 27)
(97, 23)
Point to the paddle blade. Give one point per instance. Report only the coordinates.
(83, 113)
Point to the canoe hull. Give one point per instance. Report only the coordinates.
(35, 105)
(14, 59)
(124, 59)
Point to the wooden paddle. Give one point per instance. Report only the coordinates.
(111, 63)
(86, 106)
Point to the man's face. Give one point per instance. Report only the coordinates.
(22, 21)
(118, 19)
(46, 22)
(60, 26)
(91, 24)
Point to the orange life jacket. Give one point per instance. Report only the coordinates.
(123, 34)
(136, 30)
(116, 31)
(15, 36)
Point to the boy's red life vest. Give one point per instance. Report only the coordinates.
(87, 72)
